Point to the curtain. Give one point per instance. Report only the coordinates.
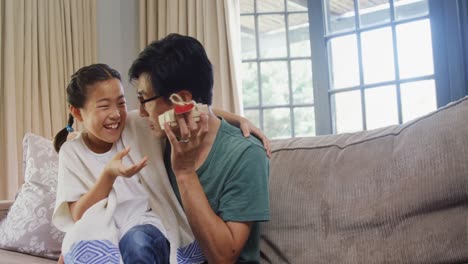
(463, 10)
(449, 26)
(43, 43)
(216, 24)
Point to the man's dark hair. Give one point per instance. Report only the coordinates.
(176, 63)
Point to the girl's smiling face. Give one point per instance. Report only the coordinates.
(103, 115)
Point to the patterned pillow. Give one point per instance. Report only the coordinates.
(28, 227)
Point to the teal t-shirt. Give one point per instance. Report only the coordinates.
(234, 177)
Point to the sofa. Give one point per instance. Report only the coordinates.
(398, 194)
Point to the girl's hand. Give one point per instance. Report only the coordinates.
(115, 167)
(245, 126)
(248, 128)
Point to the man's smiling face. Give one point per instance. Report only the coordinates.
(153, 108)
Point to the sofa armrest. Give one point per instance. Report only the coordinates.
(4, 208)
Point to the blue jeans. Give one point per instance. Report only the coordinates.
(144, 244)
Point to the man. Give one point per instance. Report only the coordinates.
(219, 177)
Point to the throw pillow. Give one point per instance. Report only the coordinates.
(28, 226)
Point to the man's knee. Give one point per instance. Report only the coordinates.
(145, 241)
(134, 238)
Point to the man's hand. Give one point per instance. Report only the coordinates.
(185, 150)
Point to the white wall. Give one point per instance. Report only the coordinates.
(117, 37)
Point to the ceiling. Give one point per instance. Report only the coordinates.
(337, 7)
(271, 23)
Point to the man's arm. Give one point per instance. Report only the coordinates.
(243, 200)
(221, 242)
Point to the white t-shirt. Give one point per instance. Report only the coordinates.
(132, 199)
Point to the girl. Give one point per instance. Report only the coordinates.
(95, 164)
(96, 99)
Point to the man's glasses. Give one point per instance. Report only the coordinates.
(144, 101)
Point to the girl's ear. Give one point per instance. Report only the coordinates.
(186, 95)
(76, 113)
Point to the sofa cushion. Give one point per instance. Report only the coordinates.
(28, 227)
(9, 257)
(393, 195)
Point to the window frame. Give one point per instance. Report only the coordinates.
(288, 59)
(449, 47)
(322, 66)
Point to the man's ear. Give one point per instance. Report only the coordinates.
(76, 113)
(186, 95)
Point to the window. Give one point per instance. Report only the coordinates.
(380, 58)
(277, 67)
(368, 63)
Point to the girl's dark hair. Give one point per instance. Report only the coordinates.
(77, 90)
(176, 63)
